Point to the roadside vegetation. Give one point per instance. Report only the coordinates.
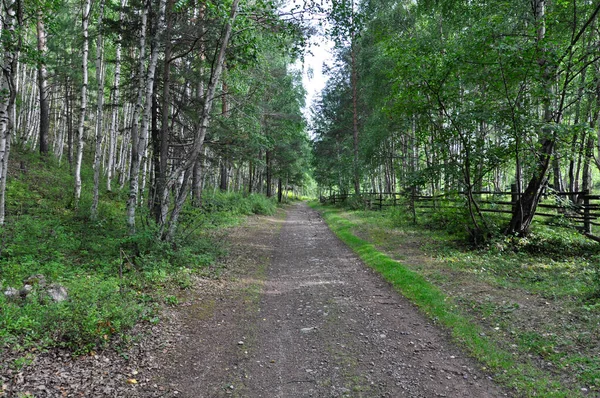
(114, 280)
(527, 308)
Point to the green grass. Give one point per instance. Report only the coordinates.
(521, 375)
(114, 279)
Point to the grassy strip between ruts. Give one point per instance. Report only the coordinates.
(524, 378)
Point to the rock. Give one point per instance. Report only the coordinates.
(25, 290)
(240, 342)
(11, 293)
(35, 280)
(57, 293)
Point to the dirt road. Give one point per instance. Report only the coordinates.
(305, 318)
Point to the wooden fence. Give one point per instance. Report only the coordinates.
(579, 210)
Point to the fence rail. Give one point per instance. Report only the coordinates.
(580, 209)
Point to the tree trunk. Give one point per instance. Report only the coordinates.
(197, 183)
(43, 85)
(596, 118)
(83, 108)
(115, 106)
(153, 197)
(587, 172)
(99, 115)
(140, 139)
(12, 20)
(279, 190)
(134, 167)
(224, 183)
(69, 111)
(161, 146)
(224, 176)
(354, 82)
(198, 177)
(524, 211)
(250, 176)
(269, 174)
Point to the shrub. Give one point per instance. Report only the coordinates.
(96, 310)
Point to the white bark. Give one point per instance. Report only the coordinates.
(112, 146)
(7, 102)
(44, 107)
(83, 109)
(99, 114)
(134, 167)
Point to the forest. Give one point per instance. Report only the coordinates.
(439, 98)
(136, 135)
(164, 98)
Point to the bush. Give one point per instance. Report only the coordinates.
(260, 204)
(44, 234)
(96, 310)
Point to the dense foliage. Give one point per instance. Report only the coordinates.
(464, 97)
(113, 279)
(164, 98)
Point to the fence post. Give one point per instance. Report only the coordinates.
(380, 200)
(587, 224)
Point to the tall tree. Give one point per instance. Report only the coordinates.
(12, 17)
(186, 169)
(85, 20)
(42, 78)
(99, 113)
(140, 140)
(346, 26)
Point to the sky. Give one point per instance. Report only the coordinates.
(312, 71)
(318, 53)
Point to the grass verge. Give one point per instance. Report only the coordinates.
(522, 376)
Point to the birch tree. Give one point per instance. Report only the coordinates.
(42, 78)
(11, 15)
(85, 18)
(115, 97)
(99, 114)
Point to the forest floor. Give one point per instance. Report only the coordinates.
(296, 314)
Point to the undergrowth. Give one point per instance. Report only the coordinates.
(114, 280)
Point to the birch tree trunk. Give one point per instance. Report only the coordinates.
(69, 121)
(114, 120)
(134, 167)
(9, 56)
(99, 114)
(82, 115)
(224, 181)
(43, 85)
